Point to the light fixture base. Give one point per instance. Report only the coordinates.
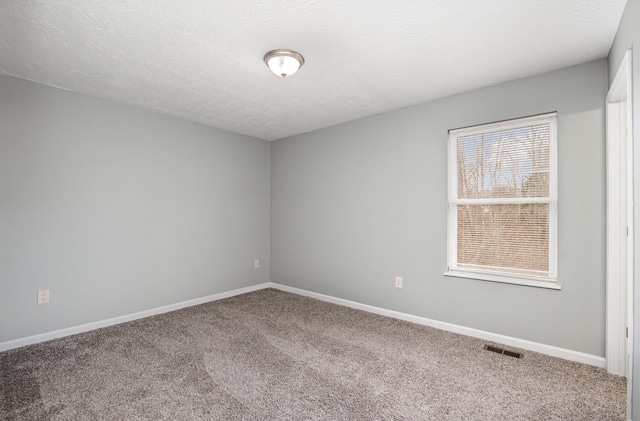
(283, 62)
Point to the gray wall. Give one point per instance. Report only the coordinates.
(118, 210)
(356, 204)
(628, 36)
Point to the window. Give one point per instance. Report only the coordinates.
(503, 201)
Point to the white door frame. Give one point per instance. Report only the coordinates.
(620, 242)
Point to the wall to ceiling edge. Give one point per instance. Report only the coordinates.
(353, 206)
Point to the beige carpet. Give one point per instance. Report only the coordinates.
(272, 355)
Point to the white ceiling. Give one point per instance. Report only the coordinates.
(201, 60)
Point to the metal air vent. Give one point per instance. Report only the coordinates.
(503, 351)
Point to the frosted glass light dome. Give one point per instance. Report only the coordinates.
(284, 62)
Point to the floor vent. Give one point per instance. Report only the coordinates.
(503, 351)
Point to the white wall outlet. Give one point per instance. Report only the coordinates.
(398, 281)
(43, 296)
(256, 263)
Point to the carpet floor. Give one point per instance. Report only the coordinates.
(272, 355)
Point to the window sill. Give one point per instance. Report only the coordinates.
(504, 279)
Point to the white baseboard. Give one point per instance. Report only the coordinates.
(30, 340)
(494, 337)
(553, 351)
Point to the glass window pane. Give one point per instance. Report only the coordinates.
(504, 163)
(510, 238)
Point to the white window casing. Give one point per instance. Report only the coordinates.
(503, 194)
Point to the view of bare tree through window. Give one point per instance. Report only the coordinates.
(503, 206)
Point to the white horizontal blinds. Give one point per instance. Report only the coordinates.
(504, 202)
(504, 238)
(504, 164)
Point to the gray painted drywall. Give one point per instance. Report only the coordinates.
(116, 210)
(628, 36)
(354, 205)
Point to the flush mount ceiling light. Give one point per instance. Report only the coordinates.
(284, 62)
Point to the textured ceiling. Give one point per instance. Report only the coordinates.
(201, 60)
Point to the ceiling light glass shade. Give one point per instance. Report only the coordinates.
(283, 62)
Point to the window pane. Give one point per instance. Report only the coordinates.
(510, 238)
(504, 163)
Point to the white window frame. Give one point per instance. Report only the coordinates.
(488, 275)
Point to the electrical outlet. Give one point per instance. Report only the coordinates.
(398, 281)
(256, 264)
(43, 296)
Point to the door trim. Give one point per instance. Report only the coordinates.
(620, 241)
